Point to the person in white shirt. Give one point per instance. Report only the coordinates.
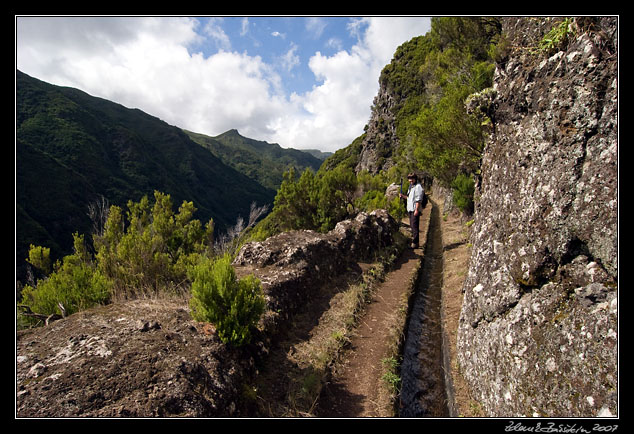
(414, 198)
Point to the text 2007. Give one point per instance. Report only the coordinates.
(606, 428)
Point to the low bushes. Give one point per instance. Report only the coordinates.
(75, 282)
(149, 251)
(233, 306)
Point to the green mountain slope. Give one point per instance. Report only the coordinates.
(262, 161)
(72, 148)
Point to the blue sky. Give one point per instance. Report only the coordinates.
(285, 42)
(302, 82)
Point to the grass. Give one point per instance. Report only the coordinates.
(391, 376)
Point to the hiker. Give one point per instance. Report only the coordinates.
(415, 195)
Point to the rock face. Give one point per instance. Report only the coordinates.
(538, 328)
(380, 139)
(148, 358)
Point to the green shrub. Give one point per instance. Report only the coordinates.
(314, 201)
(296, 201)
(156, 247)
(319, 201)
(75, 283)
(371, 201)
(397, 209)
(463, 189)
(40, 258)
(233, 306)
(557, 38)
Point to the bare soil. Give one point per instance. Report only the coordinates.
(111, 361)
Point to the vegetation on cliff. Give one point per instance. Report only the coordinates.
(455, 60)
(428, 84)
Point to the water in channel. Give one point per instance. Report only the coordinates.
(423, 392)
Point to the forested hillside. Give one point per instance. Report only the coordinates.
(73, 149)
(259, 160)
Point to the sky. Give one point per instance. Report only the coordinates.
(301, 82)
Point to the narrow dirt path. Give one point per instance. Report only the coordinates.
(354, 391)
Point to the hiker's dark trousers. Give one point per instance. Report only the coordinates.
(413, 224)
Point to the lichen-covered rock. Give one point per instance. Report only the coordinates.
(538, 328)
(350, 240)
(393, 190)
(380, 139)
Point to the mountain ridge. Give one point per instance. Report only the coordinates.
(262, 161)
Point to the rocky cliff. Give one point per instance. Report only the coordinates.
(538, 328)
(148, 358)
(380, 139)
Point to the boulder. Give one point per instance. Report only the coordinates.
(393, 190)
(141, 358)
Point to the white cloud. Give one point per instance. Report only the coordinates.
(334, 113)
(335, 43)
(150, 64)
(214, 30)
(290, 59)
(315, 26)
(244, 26)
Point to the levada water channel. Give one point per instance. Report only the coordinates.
(423, 390)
